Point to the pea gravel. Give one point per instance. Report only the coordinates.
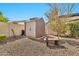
(27, 47)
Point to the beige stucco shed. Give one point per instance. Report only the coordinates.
(35, 27)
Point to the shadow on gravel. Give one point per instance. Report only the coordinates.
(72, 43)
(51, 45)
(57, 47)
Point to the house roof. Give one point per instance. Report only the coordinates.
(71, 15)
(75, 14)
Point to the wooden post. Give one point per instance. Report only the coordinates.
(25, 27)
(46, 40)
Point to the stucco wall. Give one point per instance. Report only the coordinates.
(17, 29)
(72, 18)
(5, 28)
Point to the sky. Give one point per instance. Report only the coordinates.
(25, 11)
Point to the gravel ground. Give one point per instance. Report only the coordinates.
(27, 47)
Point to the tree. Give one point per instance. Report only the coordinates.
(57, 17)
(2, 18)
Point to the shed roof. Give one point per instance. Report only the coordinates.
(31, 19)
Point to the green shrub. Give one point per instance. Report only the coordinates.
(74, 29)
(2, 37)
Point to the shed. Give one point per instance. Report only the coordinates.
(35, 27)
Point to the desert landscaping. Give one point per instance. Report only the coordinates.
(28, 47)
(54, 33)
